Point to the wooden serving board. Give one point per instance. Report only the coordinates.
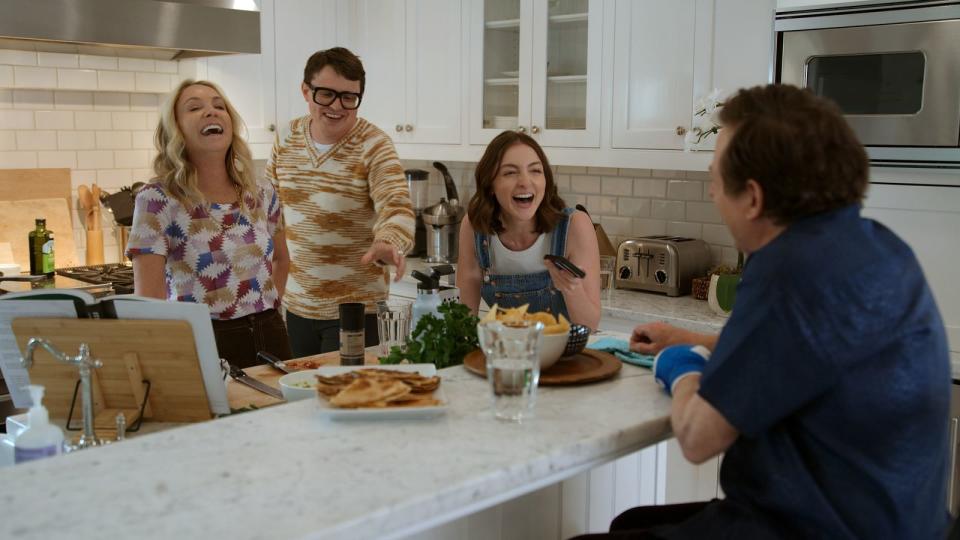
(19, 219)
(241, 396)
(584, 367)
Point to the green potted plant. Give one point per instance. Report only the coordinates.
(723, 287)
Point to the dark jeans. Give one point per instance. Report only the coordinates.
(314, 336)
(239, 340)
(636, 522)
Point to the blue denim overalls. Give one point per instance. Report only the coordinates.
(515, 290)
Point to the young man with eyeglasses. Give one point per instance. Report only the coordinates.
(347, 208)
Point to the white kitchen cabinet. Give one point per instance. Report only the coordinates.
(667, 55)
(249, 82)
(412, 54)
(535, 66)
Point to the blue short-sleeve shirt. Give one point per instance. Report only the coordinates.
(834, 368)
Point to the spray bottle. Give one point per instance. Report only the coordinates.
(41, 438)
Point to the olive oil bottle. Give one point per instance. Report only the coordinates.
(41, 249)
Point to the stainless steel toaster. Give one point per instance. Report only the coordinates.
(665, 264)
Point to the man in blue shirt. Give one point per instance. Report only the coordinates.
(828, 388)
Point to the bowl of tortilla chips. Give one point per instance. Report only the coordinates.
(556, 330)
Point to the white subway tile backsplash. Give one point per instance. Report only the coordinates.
(36, 140)
(129, 120)
(584, 184)
(120, 81)
(113, 140)
(77, 79)
(660, 173)
(702, 212)
(601, 205)
(132, 159)
(574, 200)
(33, 99)
(57, 159)
(717, 234)
(144, 102)
(633, 207)
(614, 185)
(647, 227)
(602, 171)
(111, 101)
(166, 66)
(112, 179)
(729, 256)
(18, 58)
(635, 173)
(18, 160)
(8, 140)
(137, 64)
(153, 82)
(70, 100)
(669, 210)
(76, 140)
(706, 192)
(6, 99)
(687, 190)
(697, 175)
(93, 120)
(95, 159)
(570, 169)
(144, 140)
(78, 177)
(145, 175)
(97, 61)
(562, 181)
(54, 120)
(34, 77)
(14, 119)
(618, 226)
(683, 228)
(61, 60)
(6, 76)
(153, 118)
(649, 187)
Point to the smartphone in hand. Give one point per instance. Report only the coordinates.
(564, 264)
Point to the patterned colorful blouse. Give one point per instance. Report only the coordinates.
(218, 256)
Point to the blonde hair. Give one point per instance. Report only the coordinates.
(173, 169)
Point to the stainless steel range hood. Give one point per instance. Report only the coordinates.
(162, 29)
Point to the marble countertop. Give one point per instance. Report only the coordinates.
(286, 472)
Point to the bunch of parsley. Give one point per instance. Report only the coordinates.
(442, 341)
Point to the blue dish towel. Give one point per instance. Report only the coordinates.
(621, 349)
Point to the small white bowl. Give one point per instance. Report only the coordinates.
(293, 388)
(551, 348)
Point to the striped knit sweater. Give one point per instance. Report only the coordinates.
(335, 205)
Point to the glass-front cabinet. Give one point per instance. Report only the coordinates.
(539, 72)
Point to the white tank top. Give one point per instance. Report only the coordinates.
(503, 261)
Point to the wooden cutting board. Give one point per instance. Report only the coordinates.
(22, 184)
(19, 219)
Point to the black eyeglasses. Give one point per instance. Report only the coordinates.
(326, 96)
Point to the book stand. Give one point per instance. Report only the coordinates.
(150, 369)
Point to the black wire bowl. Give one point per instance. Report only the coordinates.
(579, 334)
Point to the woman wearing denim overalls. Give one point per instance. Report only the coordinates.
(515, 217)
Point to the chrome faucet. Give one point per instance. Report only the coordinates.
(87, 365)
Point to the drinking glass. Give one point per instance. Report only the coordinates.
(513, 366)
(607, 265)
(393, 324)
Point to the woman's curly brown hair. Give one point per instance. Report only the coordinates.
(484, 210)
(797, 146)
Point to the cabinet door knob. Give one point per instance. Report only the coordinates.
(681, 131)
(522, 129)
(399, 128)
(271, 128)
(408, 128)
(534, 130)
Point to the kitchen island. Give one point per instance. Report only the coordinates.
(285, 472)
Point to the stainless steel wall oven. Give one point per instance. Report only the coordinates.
(893, 68)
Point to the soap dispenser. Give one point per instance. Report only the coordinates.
(41, 438)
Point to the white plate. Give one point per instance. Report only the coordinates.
(427, 370)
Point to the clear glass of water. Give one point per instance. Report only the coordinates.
(393, 324)
(607, 265)
(513, 366)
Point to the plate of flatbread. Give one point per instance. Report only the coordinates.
(380, 392)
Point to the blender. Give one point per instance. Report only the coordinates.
(417, 182)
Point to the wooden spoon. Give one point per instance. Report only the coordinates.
(86, 203)
(95, 195)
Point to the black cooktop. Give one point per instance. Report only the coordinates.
(118, 275)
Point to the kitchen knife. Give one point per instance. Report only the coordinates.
(264, 356)
(238, 375)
